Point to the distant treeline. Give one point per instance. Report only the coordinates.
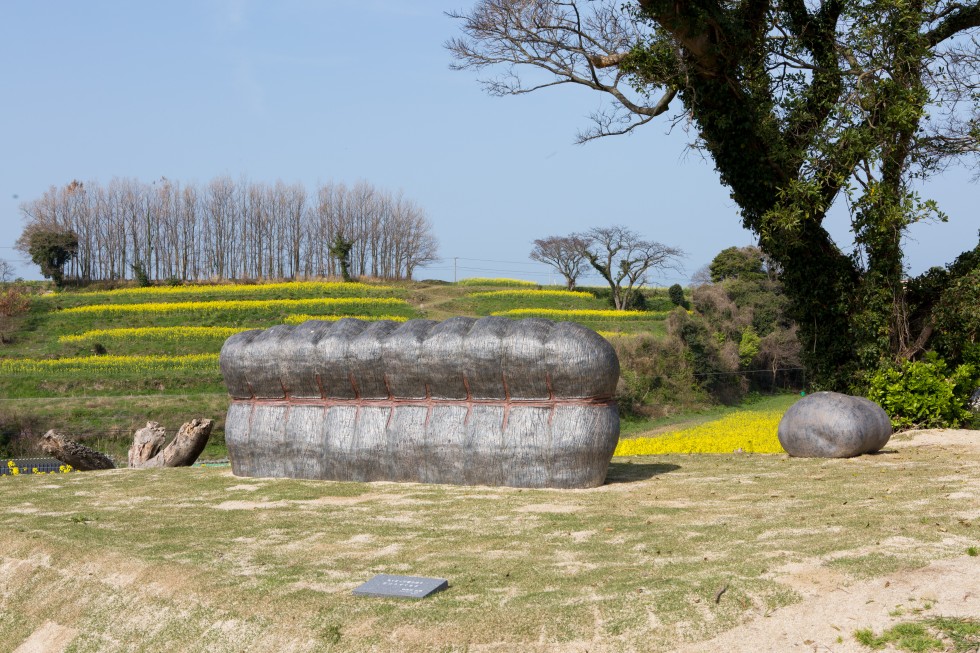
(229, 230)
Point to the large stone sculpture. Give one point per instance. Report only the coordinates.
(833, 425)
(477, 402)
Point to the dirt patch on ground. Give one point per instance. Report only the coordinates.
(549, 508)
(49, 638)
(832, 610)
(945, 439)
(827, 618)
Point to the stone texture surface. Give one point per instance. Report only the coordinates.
(833, 425)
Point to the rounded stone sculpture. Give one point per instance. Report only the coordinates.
(833, 425)
(467, 401)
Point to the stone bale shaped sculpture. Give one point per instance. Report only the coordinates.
(833, 425)
(487, 401)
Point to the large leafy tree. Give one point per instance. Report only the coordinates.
(800, 104)
(50, 248)
(737, 263)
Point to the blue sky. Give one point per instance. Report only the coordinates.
(342, 90)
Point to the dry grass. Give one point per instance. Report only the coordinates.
(199, 560)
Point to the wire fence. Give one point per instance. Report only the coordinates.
(46, 465)
(28, 465)
(780, 379)
(456, 268)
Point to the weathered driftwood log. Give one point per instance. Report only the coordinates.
(186, 446)
(72, 453)
(481, 402)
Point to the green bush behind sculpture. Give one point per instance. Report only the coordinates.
(924, 394)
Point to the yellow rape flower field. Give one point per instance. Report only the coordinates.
(326, 303)
(582, 314)
(111, 364)
(743, 430)
(299, 319)
(193, 332)
(325, 287)
(615, 334)
(533, 294)
(168, 333)
(484, 281)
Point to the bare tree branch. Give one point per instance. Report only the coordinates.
(566, 254)
(573, 43)
(624, 259)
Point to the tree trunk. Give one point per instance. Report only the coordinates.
(147, 443)
(71, 453)
(181, 452)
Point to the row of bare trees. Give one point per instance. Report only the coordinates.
(232, 230)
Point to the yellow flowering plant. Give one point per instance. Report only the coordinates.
(583, 314)
(111, 364)
(528, 293)
(745, 431)
(616, 334)
(162, 333)
(299, 319)
(324, 303)
(335, 288)
(14, 470)
(484, 281)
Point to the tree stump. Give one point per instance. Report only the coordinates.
(71, 453)
(186, 446)
(147, 443)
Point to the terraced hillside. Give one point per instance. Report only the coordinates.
(100, 364)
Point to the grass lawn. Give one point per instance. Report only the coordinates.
(634, 427)
(199, 560)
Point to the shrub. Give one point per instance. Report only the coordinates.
(14, 301)
(655, 376)
(17, 433)
(748, 347)
(140, 274)
(712, 356)
(646, 299)
(924, 394)
(957, 317)
(676, 294)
